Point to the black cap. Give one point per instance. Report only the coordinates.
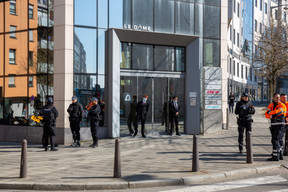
(49, 100)
(245, 95)
(94, 99)
(74, 98)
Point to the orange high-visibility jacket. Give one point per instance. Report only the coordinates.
(277, 111)
(88, 107)
(286, 104)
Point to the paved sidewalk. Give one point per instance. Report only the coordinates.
(158, 158)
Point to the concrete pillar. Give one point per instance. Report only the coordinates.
(63, 65)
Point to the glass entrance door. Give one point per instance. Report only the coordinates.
(160, 92)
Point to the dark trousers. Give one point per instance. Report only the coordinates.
(49, 133)
(132, 119)
(277, 132)
(75, 129)
(174, 121)
(143, 120)
(231, 107)
(243, 126)
(94, 125)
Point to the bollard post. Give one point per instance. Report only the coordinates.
(286, 144)
(195, 159)
(23, 163)
(227, 119)
(117, 160)
(249, 148)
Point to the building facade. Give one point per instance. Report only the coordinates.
(114, 49)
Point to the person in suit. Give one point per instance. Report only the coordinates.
(132, 118)
(141, 112)
(174, 109)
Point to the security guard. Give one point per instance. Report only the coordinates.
(283, 98)
(132, 118)
(94, 115)
(245, 110)
(75, 110)
(49, 114)
(276, 112)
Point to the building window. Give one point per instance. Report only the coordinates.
(265, 8)
(242, 71)
(246, 72)
(11, 82)
(255, 25)
(12, 29)
(237, 39)
(276, 14)
(231, 34)
(230, 66)
(250, 72)
(13, 7)
(30, 58)
(238, 11)
(31, 81)
(238, 69)
(31, 8)
(260, 27)
(256, 3)
(234, 36)
(234, 6)
(284, 16)
(261, 4)
(12, 56)
(45, 2)
(234, 68)
(30, 35)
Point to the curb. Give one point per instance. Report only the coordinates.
(192, 180)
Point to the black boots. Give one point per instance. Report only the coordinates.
(281, 154)
(74, 144)
(275, 156)
(94, 144)
(78, 143)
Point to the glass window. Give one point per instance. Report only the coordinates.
(261, 5)
(238, 69)
(265, 8)
(238, 40)
(103, 13)
(30, 58)
(101, 51)
(163, 58)
(30, 35)
(12, 56)
(234, 6)
(246, 72)
(11, 82)
(256, 25)
(231, 34)
(180, 59)
(85, 50)
(238, 9)
(230, 70)
(142, 57)
(116, 13)
(242, 71)
(234, 36)
(164, 16)
(212, 22)
(199, 19)
(185, 18)
(12, 29)
(31, 81)
(31, 8)
(211, 53)
(234, 68)
(256, 3)
(125, 56)
(13, 7)
(284, 16)
(142, 13)
(211, 2)
(260, 27)
(85, 12)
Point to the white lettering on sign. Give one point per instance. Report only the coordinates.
(137, 27)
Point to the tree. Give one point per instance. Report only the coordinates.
(271, 53)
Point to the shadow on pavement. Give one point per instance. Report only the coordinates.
(86, 177)
(137, 177)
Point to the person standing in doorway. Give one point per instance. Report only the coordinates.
(231, 102)
(245, 110)
(75, 110)
(49, 114)
(132, 118)
(141, 112)
(174, 109)
(94, 115)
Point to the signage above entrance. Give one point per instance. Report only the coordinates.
(137, 27)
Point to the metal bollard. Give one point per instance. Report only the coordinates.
(286, 144)
(227, 119)
(117, 160)
(195, 160)
(23, 163)
(249, 148)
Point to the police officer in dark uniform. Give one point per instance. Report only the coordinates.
(245, 110)
(49, 114)
(75, 110)
(174, 109)
(142, 110)
(132, 118)
(94, 115)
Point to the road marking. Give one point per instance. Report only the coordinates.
(232, 184)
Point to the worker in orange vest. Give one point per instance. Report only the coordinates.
(276, 112)
(283, 97)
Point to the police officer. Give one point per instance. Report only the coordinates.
(283, 98)
(94, 115)
(142, 110)
(276, 112)
(75, 110)
(244, 110)
(174, 109)
(132, 118)
(49, 114)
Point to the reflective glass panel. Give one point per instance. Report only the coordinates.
(142, 57)
(85, 46)
(164, 16)
(142, 13)
(211, 22)
(85, 12)
(164, 58)
(103, 13)
(185, 18)
(116, 13)
(101, 51)
(125, 58)
(211, 53)
(180, 59)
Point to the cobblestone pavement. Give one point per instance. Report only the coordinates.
(142, 159)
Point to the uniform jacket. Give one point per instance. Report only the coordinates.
(133, 108)
(94, 112)
(172, 109)
(245, 110)
(142, 109)
(276, 112)
(75, 111)
(50, 114)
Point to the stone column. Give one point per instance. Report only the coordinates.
(63, 65)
